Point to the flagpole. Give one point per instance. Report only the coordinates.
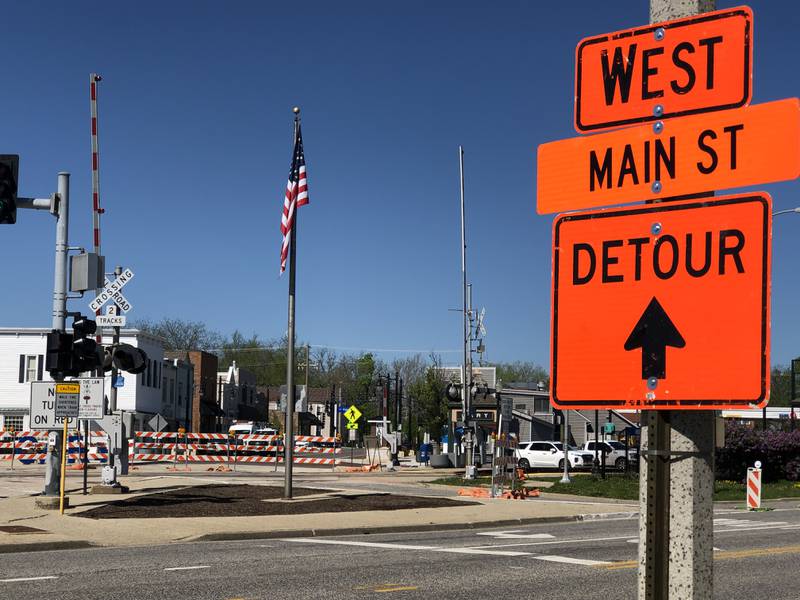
(288, 444)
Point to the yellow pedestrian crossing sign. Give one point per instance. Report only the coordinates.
(352, 414)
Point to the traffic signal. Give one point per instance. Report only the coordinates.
(128, 358)
(86, 355)
(58, 361)
(453, 394)
(9, 169)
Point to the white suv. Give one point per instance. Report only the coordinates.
(615, 453)
(549, 455)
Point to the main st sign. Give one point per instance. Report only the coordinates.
(658, 306)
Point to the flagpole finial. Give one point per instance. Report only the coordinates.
(296, 110)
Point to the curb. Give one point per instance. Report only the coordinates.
(226, 536)
(44, 546)
(295, 533)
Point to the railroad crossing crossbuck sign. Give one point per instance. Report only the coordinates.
(112, 291)
(662, 305)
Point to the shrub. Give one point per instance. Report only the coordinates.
(778, 451)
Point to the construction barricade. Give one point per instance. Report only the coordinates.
(30, 447)
(151, 446)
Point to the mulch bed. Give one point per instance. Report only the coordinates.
(248, 500)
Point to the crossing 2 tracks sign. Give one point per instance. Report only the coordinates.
(662, 305)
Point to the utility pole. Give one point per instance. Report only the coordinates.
(466, 388)
(52, 481)
(676, 525)
(564, 444)
(120, 451)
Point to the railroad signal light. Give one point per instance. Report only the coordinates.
(129, 358)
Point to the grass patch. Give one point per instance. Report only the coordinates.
(732, 490)
(460, 481)
(627, 488)
(616, 486)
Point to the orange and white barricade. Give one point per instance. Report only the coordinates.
(754, 486)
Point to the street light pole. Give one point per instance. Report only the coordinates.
(467, 382)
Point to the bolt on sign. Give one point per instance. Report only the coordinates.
(662, 306)
(698, 64)
(675, 157)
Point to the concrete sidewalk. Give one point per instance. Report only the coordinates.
(69, 530)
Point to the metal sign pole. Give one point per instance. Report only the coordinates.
(63, 468)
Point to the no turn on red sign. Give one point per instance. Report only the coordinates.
(662, 306)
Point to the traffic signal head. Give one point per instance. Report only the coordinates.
(58, 361)
(85, 356)
(129, 358)
(453, 392)
(9, 168)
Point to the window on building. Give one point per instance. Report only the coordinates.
(172, 391)
(164, 392)
(13, 422)
(147, 371)
(541, 405)
(180, 393)
(30, 367)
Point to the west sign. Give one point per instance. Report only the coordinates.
(662, 306)
(682, 67)
(676, 157)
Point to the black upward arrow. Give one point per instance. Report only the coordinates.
(653, 333)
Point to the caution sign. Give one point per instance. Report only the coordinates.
(682, 67)
(689, 155)
(67, 400)
(662, 306)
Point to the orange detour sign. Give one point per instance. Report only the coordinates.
(681, 67)
(687, 155)
(662, 306)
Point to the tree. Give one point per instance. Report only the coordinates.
(431, 410)
(520, 371)
(178, 334)
(780, 386)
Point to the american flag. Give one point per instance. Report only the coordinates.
(296, 195)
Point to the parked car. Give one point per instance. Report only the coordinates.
(550, 455)
(614, 453)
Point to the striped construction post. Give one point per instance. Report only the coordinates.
(754, 487)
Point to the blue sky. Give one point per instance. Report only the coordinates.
(195, 129)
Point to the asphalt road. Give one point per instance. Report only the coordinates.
(757, 558)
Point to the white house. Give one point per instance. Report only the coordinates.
(165, 387)
(237, 392)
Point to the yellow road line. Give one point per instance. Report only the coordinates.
(386, 587)
(727, 555)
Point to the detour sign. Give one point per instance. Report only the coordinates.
(682, 67)
(662, 306)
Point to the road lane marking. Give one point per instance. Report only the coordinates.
(353, 543)
(572, 561)
(518, 534)
(28, 579)
(722, 555)
(603, 539)
(481, 551)
(397, 588)
(187, 568)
